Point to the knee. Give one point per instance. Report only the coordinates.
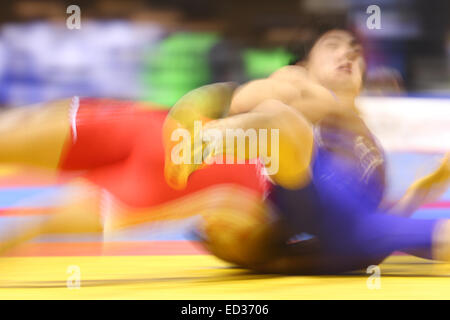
(237, 237)
(291, 145)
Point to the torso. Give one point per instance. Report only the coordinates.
(342, 141)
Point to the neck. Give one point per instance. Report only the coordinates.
(346, 99)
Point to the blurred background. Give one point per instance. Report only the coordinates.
(157, 50)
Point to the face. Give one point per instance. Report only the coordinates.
(336, 62)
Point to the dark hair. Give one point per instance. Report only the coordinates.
(301, 49)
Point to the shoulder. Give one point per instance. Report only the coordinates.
(288, 80)
(254, 92)
(292, 74)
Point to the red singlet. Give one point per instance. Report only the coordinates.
(119, 145)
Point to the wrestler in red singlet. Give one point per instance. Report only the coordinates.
(119, 143)
(117, 147)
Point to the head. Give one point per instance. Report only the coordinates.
(335, 60)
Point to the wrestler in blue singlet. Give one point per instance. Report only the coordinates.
(340, 206)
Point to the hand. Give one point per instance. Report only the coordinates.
(433, 186)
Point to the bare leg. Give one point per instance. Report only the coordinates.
(260, 246)
(246, 238)
(424, 190)
(280, 132)
(257, 241)
(35, 135)
(79, 212)
(290, 150)
(85, 208)
(441, 239)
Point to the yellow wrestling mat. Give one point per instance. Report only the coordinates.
(205, 277)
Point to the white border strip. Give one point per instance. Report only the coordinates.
(74, 106)
(403, 123)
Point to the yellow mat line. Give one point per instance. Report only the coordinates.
(205, 277)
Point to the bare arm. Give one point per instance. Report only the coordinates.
(292, 87)
(250, 95)
(275, 133)
(424, 190)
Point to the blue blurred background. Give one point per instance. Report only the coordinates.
(157, 50)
